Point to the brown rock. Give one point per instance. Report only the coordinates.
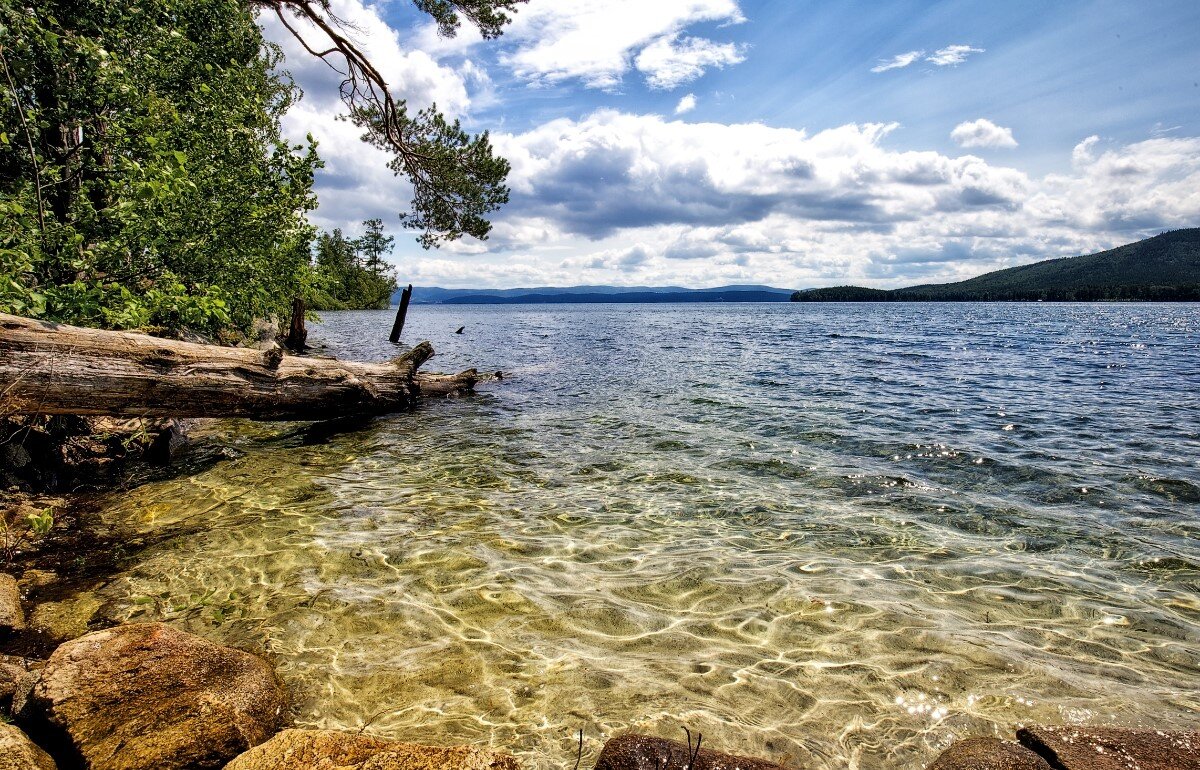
(17, 676)
(1113, 748)
(17, 752)
(988, 754)
(333, 750)
(33, 579)
(149, 696)
(12, 617)
(67, 619)
(646, 752)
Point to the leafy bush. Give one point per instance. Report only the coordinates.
(144, 181)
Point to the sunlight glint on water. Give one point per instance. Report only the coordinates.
(835, 535)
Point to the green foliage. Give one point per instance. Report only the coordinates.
(352, 274)
(144, 181)
(14, 535)
(488, 15)
(457, 181)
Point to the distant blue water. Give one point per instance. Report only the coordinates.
(841, 535)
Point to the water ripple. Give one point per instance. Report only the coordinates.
(830, 535)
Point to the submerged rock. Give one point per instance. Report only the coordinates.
(12, 617)
(17, 752)
(333, 750)
(17, 676)
(988, 754)
(1113, 748)
(646, 752)
(66, 619)
(33, 579)
(149, 696)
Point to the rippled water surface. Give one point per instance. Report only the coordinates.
(833, 535)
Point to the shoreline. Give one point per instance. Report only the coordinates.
(679, 458)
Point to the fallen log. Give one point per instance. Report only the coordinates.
(48, 368)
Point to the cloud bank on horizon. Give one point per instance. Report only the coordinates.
(706, 142)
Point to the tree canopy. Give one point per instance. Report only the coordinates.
(145, 180)
(351, 274)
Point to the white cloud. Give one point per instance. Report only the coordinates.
(982, 133)
(1082, 155)
(669, 62)
(640, 199)
(615, 171)
(410, 73)
(559, 40)
(898, 62)
(952, 54)
(356, 183)
(708, 203)
(1142, 187)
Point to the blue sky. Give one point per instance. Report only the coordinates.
(702, 142)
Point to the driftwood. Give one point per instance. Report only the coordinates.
(48, 368)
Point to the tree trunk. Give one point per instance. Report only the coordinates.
(297, 333)
(48, 368)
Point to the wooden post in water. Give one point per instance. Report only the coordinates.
(297, 334)
(402, 311)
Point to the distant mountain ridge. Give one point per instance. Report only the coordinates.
(596, 294)
(1163, 268)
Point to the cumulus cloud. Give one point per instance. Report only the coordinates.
(641, 199)
(711, 203)
(669, 62)
(982, 133)
(952, 54)
(614, 171)
(1082, 155)
(898, 62)
(559, 40)
(1142, 187)
(356, 183)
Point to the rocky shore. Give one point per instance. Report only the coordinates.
(143, 696)
(152, 697)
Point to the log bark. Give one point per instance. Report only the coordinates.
(48, 368)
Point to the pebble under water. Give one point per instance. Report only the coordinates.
(829, 535)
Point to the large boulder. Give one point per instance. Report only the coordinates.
(333, 750)
(17, 752)
(988, 754)
(1113, 748)
(12, 617)
(634, 751)
(150, 696)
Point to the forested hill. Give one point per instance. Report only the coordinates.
(1163, 268)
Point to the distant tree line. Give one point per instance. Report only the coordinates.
(1165, 268)
(1082, 294)
(351, 274)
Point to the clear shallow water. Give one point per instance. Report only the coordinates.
(835, 535)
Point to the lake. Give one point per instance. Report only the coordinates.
(831, 535)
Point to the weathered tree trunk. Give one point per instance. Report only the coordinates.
(401, 312)
(48, 368)
(297, 333)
